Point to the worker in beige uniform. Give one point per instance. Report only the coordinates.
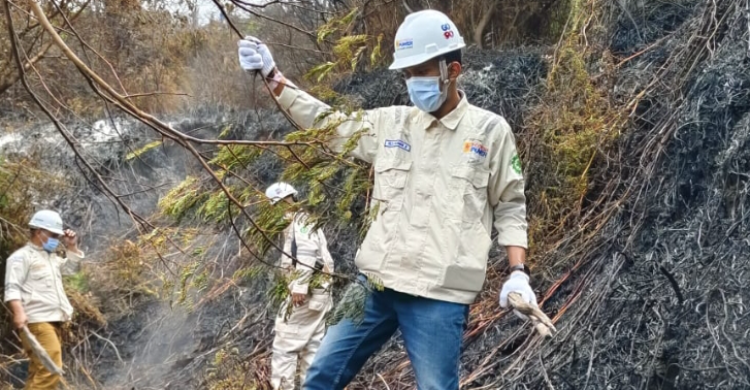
(34, 291)
(300, 328)
(445, 170)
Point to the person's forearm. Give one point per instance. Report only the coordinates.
(75, 250)
(276, 81)
(16, 307)
(516, 255)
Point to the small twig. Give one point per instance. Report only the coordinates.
(157, 93)
(543, 324)
(108, 341)
(384, 382)
(673, 283)
(544, 372)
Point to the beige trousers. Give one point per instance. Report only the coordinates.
(48, 336)
(297, 339)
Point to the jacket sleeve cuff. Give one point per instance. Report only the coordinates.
(287, 98)
(78, 255)
(513, 237)
(12, 295)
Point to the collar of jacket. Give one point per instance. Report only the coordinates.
(451, 120)
(35, 247)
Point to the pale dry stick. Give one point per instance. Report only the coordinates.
(547, 381)
(41, 353)
(108, 341)
(543, 325)
(384, 382)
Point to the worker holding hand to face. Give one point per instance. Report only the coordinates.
(35, 294)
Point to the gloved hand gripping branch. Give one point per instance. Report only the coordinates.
(518, 282)
(255, 56)
(517, 293)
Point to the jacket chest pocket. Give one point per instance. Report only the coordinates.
(40, 275)
(469, 184)
(391, 176)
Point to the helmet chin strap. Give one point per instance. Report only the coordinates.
(444, 80)
(444, 72)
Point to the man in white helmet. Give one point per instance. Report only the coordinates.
(35, 294)
(300, 327)
(445, 171)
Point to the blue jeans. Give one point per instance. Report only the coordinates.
(432, 332)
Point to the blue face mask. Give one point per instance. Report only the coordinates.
(425, 93)
(50, 245)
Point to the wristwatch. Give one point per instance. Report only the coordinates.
(521, 267)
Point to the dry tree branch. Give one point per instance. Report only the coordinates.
(12, 77)
(245, 8)
(41, 353)
(69, 138)
(184, 140)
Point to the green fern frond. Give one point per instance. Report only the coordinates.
(350, 16)
(351, 306)
(179, 200)
(320, 71)
(143, 149)
(375, 55)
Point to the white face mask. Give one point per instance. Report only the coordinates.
(425, 92)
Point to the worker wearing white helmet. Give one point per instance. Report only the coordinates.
(35, 294)
(300, 328)
(445, 172)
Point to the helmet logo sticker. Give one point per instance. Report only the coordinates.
(447, 32)
(402, 44)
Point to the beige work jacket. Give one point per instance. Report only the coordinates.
(34, 277)
(439, 184)
(311, 246)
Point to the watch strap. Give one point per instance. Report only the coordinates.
(521, 267)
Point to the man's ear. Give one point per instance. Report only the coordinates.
(454, 70)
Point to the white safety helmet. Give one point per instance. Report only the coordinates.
(423, 36)
(279, 191)
(48, 220)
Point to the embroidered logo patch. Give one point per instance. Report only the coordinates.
(515, 163)
(402, 44)
(397, 143)
(475, 148)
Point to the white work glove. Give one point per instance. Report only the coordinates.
(518, 282)
(254, 55)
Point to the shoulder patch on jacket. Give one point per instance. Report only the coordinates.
(515, 163)
(14, 258)
(18, 255)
